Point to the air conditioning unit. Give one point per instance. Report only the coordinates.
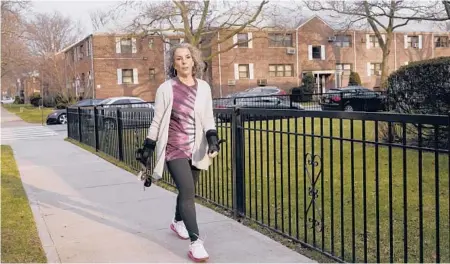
(415, 45)
(262, 82)
(290, 50)
(331, 39)
(231, 82)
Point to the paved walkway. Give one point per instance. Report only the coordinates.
(88, 210)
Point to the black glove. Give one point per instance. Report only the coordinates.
(213, 143)
(144, 153)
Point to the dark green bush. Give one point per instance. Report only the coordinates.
(422, 87)
(18, 100)
(305, 92)
(35, 99)
(354, 79)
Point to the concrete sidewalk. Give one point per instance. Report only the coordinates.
(10, 120)
(88, 210)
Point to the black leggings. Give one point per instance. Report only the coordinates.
(185, 177)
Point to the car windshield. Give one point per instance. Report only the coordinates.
(106, 101)
(333, 91)
(87, 102)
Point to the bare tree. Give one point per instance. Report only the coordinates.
(47, 34)
(51, 33)
(197, 21)
(14, 53)
(383, 17)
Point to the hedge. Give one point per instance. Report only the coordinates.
(422, 87)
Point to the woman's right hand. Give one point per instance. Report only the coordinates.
(143, 154)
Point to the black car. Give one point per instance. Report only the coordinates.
(59, 116)
(353, 98)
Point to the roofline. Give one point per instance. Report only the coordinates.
(74, 44)
(311, 18)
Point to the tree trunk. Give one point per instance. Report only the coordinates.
(386, 48)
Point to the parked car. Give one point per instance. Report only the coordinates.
(59, 116)
(251, 92)
(265, 90)
(353, 98)
(125, 101)
(7, 100)
(263, 102)
(129, 119)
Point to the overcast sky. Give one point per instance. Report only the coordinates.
(79, 11)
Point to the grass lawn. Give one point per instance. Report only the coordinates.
(20, 240)
(29, 113)
(377, 200)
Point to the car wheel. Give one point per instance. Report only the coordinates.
(62, 119)
(348, 108)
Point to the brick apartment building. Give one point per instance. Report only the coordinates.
(105, 65)
(281, 59)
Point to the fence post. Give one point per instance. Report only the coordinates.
(69, 134)
(238, 163)
(119, 133)
(96, 128)
(79, 124)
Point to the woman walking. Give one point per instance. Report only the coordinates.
(183, 133)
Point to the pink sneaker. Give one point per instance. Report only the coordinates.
(197, 251)
(180, 229)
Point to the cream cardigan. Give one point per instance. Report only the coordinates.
(204, 121)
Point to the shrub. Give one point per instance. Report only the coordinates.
(35, 99)
(18, 100)
(422, 87)
(305, 92)
(62, 101)
(308, 83)
(354, 79)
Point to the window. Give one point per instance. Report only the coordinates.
(127, 76)
(152, 74)
(242, 39)
(343, 41)
(317, 52)
(344, 67)
(150, 43)
(280, 70)
(375, 69)
(374, 41)
(441, 42)
(413, 42)
(125, 45)
(81, 51)
(244, 71)
(280, 40)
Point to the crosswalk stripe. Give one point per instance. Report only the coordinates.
(23, 133)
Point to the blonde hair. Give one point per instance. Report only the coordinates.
(199, 65)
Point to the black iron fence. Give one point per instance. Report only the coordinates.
(358, 187)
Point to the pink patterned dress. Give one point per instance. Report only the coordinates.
(182, 126)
